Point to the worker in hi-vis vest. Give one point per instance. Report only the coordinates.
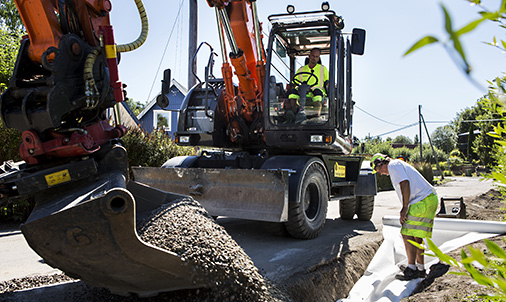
(317, 92)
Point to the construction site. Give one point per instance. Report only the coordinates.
(273, 206)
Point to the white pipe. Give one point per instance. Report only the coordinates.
(461, 225)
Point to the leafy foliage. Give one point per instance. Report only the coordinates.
(444, 138)
(9, 15)
(9, 42)
(453, 44)
(492, 272)
(491, 107)
(11, 140)
(136, 107)
(402, 139)
(151, 149)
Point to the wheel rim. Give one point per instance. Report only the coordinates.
(312, 201)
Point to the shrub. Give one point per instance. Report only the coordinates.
(151, 149)
(455, 161)
(404, 152)
(426, 170)
(383, 182)
(11, 140)
(456, 153)
(427, 154)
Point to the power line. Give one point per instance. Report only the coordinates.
(165, 50)
(486, 120)
(399, 129)
(379, 119)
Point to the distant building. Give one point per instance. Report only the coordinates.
(400, 145)
(463, 138)
(154, 117)
(123, 115)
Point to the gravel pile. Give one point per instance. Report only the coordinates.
(31, 282)
(185, 228)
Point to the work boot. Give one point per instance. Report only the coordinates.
(408, 274)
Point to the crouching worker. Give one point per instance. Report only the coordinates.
(419, 205)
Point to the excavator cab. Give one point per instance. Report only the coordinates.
(305, 122)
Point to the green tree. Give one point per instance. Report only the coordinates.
(9, 16)
(11, 31)
(9, 42)
(401, 139)
(444, 138)
(10, 34)
(483, 144)
(463, 122)
(136, 107)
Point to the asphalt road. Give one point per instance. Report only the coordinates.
(278, 257)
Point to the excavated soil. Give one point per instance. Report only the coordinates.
(442, 286)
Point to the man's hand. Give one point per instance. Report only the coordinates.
(403, 215)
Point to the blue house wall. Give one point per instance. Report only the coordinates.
(149, 116)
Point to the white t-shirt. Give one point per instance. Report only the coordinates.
(418, 185)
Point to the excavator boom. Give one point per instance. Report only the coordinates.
(89, 215)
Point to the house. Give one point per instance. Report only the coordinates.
(123, 115)
(463, 139)
(154, 117)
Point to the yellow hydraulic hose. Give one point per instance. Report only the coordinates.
(91, 89)
(144, 31)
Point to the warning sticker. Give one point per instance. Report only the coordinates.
(58, 177)
(339, 170)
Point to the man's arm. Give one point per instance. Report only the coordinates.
(406, 192)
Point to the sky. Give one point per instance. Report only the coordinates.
(387, 87)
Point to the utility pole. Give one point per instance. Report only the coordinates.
(192, 43)
(420, 129)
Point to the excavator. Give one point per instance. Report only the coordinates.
(264, 163)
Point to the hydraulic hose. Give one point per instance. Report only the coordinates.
(144, 31)
(91, 90)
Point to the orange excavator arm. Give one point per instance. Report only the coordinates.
(40, 18)
(238, 21)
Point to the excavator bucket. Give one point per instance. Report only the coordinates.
(238, 193)
(88, 229)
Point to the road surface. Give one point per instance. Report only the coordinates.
(281, 259)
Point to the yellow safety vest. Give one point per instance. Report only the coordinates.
(321, 73)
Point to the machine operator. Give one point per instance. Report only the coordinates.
(317, 92)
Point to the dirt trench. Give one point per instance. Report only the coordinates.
(334, 279)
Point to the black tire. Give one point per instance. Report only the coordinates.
(307, 216)
(276, 229)
(347, 208)
(365, 207)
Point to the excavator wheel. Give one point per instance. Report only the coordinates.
(306, 217)
(347, 208)
(364, 207)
